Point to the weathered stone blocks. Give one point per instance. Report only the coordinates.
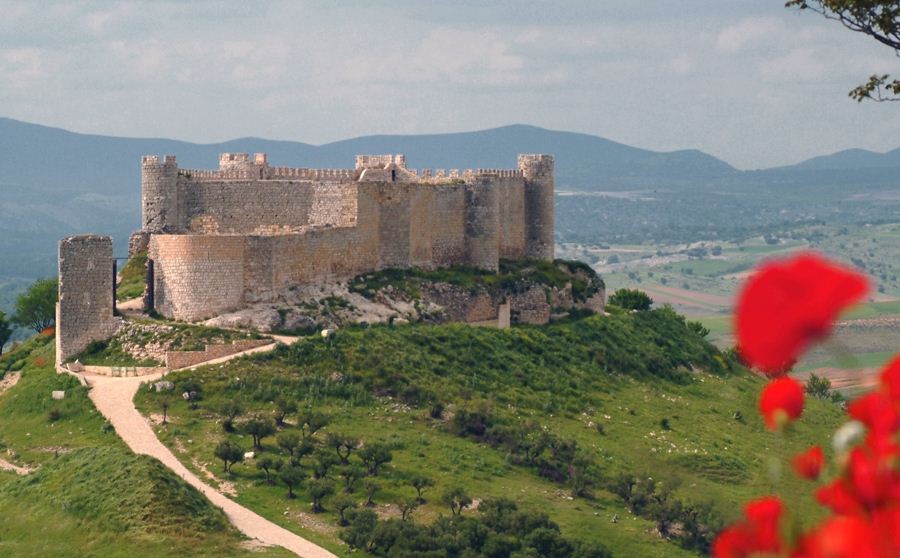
(86, 292)
(245, 232)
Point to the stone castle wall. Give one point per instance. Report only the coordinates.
(85, 309)
(242, 234)
(265, 206)
(195, 275)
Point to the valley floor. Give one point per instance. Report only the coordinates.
(701, 280)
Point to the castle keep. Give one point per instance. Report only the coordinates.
(218, 240)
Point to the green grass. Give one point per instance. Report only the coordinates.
(626, 372)
(134, 277)
(89, 495)
(711, 268)
(861, 360)
(110, 352)
(721, 328)
(874, 310)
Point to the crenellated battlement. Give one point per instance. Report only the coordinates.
(380, 161)
(368, 168)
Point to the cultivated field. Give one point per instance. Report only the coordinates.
(701, 280)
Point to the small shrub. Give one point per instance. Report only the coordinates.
(437, 411)
(631, 299)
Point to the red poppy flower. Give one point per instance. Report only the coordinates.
(759, 532)
(790, 303)
(886, 522)
(842, 537)
(809, 463)
(873, 476)
(890, 379)
(840, 498)
(733, 542)
(781, 402)
(877, 412)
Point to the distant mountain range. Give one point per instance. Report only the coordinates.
(54, 182)
(852, 159)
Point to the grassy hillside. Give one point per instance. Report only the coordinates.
(133, 277)
(601, 423)
(88, 495)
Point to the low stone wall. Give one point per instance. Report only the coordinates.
(502, 321)
(182, 359)
(115, 371)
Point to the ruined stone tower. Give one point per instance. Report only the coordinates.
(86, 296)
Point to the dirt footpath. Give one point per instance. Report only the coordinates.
(114, 399)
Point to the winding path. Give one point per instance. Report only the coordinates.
(114, 398)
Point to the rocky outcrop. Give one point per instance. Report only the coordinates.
(372, 299)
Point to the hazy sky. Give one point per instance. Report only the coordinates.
(746, 80)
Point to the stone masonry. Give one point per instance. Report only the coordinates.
(85, 309)
(221, 239)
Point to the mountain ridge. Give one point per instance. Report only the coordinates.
(57, 182)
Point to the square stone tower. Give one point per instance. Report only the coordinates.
(85, 309)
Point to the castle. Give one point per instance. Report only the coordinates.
(221, 239)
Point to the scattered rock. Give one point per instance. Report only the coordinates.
(296, 320)
(58, 394)
(261, 318)
(163, 386)
(9, 380)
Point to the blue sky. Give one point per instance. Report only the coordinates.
(745, 80)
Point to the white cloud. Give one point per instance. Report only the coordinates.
(682, 64)
(800, 64)
(748, 32)
(26, 68)
(688, 75)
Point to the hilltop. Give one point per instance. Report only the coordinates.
(623, 434)
(587, 419)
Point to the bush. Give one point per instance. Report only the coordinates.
(500, 529)
(819, 387)
(631, 299)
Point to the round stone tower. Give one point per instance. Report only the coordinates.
(539, 205)
(159, 194)
(483, 223)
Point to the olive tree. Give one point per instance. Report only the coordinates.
(230, 453)
(36, 307)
